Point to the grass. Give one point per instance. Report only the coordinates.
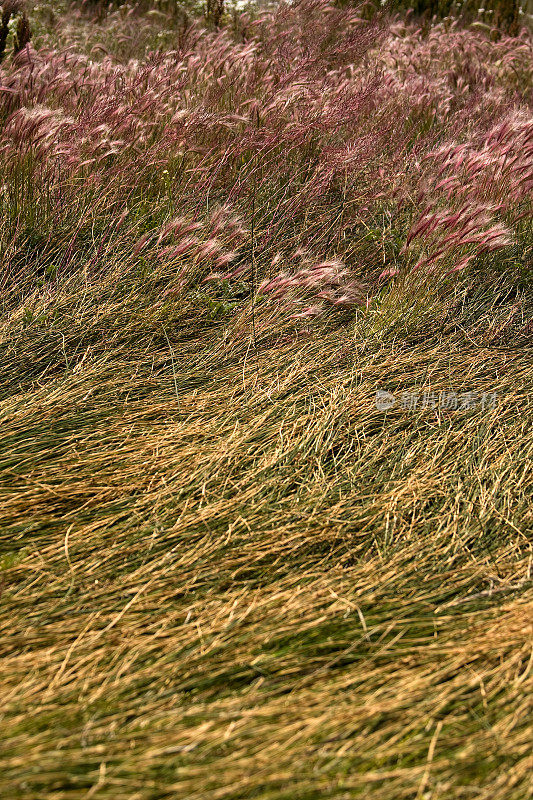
(225, 573)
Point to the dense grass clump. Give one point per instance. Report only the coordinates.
(227, 569)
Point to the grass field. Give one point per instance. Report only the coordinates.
(225, 572)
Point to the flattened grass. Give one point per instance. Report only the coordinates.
(226, 574)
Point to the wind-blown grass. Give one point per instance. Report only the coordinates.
(224, 572)
(238, 578)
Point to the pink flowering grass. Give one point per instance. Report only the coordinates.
(363, 142)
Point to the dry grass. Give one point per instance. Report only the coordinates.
(264, 587)
(224, 573)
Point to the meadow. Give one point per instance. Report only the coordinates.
(266, 403)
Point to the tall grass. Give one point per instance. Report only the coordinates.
(331, 123)
(224, 571)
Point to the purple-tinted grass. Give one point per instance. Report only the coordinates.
(368, 147)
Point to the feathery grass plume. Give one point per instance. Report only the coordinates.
(321, 110)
